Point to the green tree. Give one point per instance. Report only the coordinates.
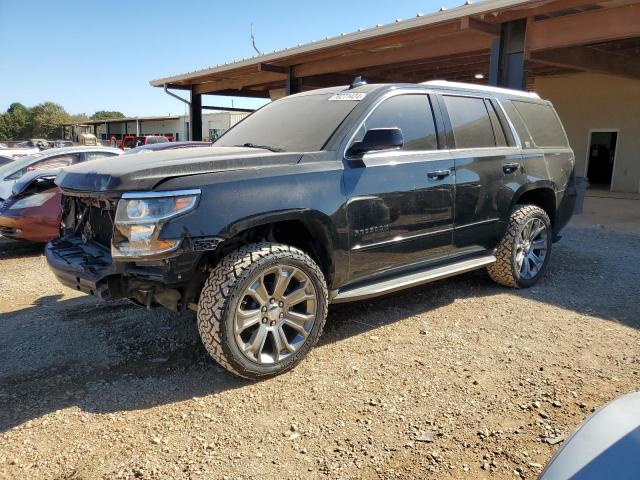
(17, 122)
(47, 119)
(4, 131)
(106, 115)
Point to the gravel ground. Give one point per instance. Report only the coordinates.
(457, 379)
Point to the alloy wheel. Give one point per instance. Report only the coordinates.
(531, 248)
(275, 314)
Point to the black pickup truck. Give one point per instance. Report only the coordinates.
(326, 196)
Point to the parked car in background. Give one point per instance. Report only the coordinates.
(332, 195)
(39, 143)
(62, 143)
(32, 209)
(88, 139)
(157, 147)
(132, 141)
(51, 159)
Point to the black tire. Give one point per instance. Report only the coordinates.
(505, 270)
(225, 288)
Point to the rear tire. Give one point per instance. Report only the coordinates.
(262, 309)
(524, 252)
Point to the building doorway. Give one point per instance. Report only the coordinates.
(601, 157)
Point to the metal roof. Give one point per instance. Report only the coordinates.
(443, 15)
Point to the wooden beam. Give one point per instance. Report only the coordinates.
(268, 67)
(595, 26)
(469, 23)
(534, 11)
(240, 82)
(437, 47)
(589, 59)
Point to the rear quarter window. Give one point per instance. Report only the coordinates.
(542, 123)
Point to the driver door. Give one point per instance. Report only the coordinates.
(400, 207)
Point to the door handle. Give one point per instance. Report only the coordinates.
(438, 174)
(510, 167)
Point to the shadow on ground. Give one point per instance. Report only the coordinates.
(107, 357)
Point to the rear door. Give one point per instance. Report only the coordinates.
(487, 164)
(400, 207)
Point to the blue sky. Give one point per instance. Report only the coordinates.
(91, 56)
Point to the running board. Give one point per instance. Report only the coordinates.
(394, 284)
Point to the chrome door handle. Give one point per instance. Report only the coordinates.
(510, 167)
(438, 174)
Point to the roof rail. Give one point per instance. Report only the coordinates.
(480, 88)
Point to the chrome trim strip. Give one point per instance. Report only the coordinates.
(400, 239)
(490, 220)
(161, 194)
(411, 280)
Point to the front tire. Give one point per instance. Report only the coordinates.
(262, 309)
(524, 252)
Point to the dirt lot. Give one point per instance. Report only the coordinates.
(458, 379)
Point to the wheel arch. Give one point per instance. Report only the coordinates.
(541, 194)
(309, 230)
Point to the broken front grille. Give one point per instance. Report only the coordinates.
(90, 219)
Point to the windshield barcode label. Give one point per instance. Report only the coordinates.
(347, 96)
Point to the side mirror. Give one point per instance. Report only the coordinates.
(378, 139)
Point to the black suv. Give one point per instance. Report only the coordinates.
(325, 196)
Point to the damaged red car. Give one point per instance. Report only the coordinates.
(34, 210)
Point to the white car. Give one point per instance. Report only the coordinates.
(52, 159)
(17, 152)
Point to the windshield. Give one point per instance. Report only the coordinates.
(17, 165)
(292, 124)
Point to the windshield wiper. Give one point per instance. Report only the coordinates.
(264, 147)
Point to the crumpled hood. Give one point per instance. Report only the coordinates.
(145, 171)
(36, 178)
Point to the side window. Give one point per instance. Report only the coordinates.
(96, 155)
(470, 122)
(543, 124)
(518, 124)
(498, 129)
(412, 114)
(59, 161)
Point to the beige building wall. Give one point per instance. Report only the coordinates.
(587, 102)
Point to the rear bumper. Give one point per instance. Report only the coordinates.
(565, 210)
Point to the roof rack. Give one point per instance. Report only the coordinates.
(480, 88)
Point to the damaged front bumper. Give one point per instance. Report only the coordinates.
(88, 267)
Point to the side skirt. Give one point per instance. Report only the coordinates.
(413, 279)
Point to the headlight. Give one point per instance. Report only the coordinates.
(32, 201)
(140, 217)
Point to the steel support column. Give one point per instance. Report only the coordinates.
(293, 83)
(508, 64)
(195, 116)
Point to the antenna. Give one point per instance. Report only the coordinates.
(253, 41)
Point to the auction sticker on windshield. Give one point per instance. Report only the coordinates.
(347, 96)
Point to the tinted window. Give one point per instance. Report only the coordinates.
(292, 124)
(470, 122)
(542, 123)
(498, 131)
(410, 113)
